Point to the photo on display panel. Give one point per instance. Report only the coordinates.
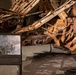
(10, 45)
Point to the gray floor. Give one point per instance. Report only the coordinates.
(49, 65)
(38, 61)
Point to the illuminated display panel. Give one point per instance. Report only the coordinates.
(10, 49)
(10, 45)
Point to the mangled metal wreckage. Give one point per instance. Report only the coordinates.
(61, 13)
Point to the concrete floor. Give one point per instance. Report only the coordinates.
(8, 70)
(49, 65)
(38, 61)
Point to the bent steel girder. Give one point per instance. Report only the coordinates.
(17, 12)
(47, 18)
(23, 7)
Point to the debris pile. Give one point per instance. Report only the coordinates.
(41, 22)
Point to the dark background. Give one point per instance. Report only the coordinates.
(5, 4)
